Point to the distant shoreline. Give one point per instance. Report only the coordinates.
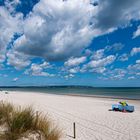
(65, 86)
(78, 95)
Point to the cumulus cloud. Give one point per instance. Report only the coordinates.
(98, 70)
(72, 65)
(138, 73)
(74, 70)
(99, 65)
(18, 60)
(123, 57)
(9, 25)
(136, 33)
(87, 52)
(98, 54)
(75, 61)
(117, 74)
(114, 74)
(101, 62)
(113, 14)
(98, 60)
(135, 51)
(117, 77)
(134, 68)
(138, 61)
(56, 30)
(11, 5)
(2, 57)
(59, 31)
(15, 79)
(131, 78)
(114, 47)
(39, 69)
(69, 76)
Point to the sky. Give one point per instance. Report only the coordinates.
(70, 42)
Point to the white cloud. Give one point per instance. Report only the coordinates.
(18, 60)
(134, 68)
(75, 61)
(87, 52)
(114, 14)
(117, 74)
(69, 76)
(135, 50)
(98, 70)
(136, 33)
(98, 66)
(39, 69)
(50, 33)
(117, 77)
(103, 78)
(138, 61)
(9, 25)
(114, 74)
(131, 78)
(11, 5)
(2, 57)
(98, 54)
(138, 74)
(57, 32)
(15, 79)
(101, 62)
(123, 57)
(74, 70)
(114, 47)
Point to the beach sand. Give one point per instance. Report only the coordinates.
(93, 119)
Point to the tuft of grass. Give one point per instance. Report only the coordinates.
(19, 123)
(44, 128)
(5, 111)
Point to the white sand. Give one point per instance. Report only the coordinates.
(93, 120)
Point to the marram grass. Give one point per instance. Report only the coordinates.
(25, 123)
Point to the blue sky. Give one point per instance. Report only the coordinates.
(70, 42)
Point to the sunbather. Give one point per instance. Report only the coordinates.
(123, 103)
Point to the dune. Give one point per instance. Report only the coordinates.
(92, 117)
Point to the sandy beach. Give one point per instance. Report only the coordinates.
(93, 119)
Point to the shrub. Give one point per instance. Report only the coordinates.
(19, 123)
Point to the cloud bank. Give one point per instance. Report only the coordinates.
(62, 31)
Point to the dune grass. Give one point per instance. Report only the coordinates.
(19, 123)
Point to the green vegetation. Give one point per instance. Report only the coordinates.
(19, 123)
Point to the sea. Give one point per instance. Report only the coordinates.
(104, 92)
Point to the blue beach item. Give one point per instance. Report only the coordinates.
(119, 107)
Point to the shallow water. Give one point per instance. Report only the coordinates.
(121, 92)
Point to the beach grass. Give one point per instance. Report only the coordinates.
(18, 123)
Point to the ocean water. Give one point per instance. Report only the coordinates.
(115, 92)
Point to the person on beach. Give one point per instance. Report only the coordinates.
(123, 103)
